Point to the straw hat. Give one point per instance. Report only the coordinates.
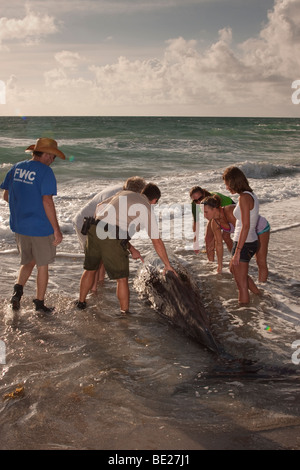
(44, 144)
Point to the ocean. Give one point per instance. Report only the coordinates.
(94, 380)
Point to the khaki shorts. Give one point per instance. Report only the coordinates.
(40, 249)
(110, 252)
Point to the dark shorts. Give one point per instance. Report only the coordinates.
(248, 250)
(109, 251)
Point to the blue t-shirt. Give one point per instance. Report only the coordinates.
(27, 182)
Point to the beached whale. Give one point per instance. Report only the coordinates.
(177, 298)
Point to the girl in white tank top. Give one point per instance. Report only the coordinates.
(254, 213)
(244, 244)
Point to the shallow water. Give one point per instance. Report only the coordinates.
(96, 380)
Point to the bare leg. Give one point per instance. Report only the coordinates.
(252, 286)
(25, 272)
(123, 293)
(86, 283)
(99, 277)
(41, 282)
(95, 283)
(210, 242)
(244, 282)
(41, 287)
(101, 273)
(261, 256)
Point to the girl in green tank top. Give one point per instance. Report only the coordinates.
(197, 194)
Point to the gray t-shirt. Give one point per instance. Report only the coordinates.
(90, 208)
(130, 212)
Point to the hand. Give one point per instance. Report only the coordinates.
(235, 260)
(57, 237)
(196, 247)
(135, 253)
(169, 268)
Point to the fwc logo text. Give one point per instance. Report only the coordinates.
(24, 175)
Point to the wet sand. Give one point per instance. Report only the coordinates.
(94, 381)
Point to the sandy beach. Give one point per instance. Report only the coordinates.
(94, 381)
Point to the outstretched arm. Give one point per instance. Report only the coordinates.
(162, 253)
(134, 252)
(218, 244)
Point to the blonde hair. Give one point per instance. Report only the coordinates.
(135, 183)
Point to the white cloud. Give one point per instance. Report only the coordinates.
(31, 27)
(276, 51)
(55, 76)
(11, 82)
(218, 77)
(252, 79)
(68, 59)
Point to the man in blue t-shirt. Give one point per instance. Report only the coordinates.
(29, 188)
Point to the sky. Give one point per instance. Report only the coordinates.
(150, 58)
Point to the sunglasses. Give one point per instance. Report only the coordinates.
(198, 200)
